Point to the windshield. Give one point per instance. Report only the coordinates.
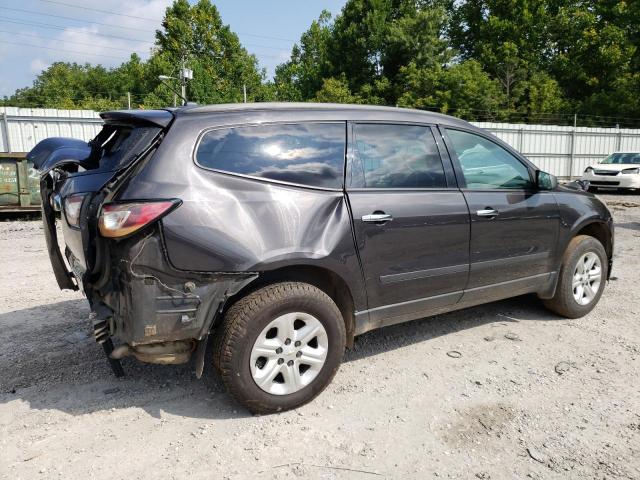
(618, 158)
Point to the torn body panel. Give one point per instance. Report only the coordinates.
(149, 301)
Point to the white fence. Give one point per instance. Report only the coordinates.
(563, 151)
(22, 128)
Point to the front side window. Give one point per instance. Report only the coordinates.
(396, 156)
(304, 153)
(486, 165)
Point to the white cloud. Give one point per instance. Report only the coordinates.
(88, 42)
(111, 45)
(37, 65)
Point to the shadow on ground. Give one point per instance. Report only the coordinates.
(634, 226)
(49, 361)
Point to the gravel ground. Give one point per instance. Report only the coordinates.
(531, 395)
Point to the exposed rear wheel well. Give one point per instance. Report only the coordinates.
(322, 278)
(600, 232)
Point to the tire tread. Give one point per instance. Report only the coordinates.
(235, 327)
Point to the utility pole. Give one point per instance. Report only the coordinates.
(186, 74)
(244, 91)
(129, 100)
(573, 146)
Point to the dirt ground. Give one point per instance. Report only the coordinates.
(531, 395)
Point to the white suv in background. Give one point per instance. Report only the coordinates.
(619, 170)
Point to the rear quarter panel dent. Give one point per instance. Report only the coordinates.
(234, 224)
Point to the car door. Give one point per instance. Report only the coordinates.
(411, 222)
(514, 225)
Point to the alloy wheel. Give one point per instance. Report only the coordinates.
(586, 278)
(289, 353)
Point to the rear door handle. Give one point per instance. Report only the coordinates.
(377, 218)
(487, 212)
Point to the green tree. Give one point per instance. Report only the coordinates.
(70, 85)
(508, 37)
(462, 89)
(335, 90)
(195, 35)
(385, 52)
(596, 55)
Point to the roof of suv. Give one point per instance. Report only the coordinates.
(366, 112)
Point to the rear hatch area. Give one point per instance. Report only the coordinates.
(77, 177)
(114, 251)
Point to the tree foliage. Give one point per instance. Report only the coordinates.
(469, 57)
(466, 57)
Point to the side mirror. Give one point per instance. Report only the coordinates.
(546, 181)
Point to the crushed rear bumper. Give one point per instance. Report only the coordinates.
(143, 299)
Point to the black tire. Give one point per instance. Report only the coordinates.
(563, 302)
(247, 318)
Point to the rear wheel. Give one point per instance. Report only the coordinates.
(280, 346)
(582, 277)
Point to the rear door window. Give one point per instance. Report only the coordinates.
(396, 156)
(304, 153)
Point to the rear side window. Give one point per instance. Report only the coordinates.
(396, 156)
(304, 153)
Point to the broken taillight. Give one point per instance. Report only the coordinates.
(72, 207)
(121, 219)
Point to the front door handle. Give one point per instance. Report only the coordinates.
(487, 212)
(378, 217)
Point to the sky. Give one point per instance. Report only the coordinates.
(35, 33)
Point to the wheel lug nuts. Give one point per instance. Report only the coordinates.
(287, 341)
(279, 350)
(280, 361)
(297, 344)
(290, 363)
(298, 354)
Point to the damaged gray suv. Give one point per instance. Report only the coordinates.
(282, 231)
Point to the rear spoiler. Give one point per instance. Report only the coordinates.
(159, 118)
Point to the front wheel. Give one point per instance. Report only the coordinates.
(582, 277)
(280, 346)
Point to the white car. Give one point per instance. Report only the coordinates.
(619, 170)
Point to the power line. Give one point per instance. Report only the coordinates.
(111, 25)
(60, 27)
(60, 49)
(109, 12)
(102, 11)
(73, 42)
